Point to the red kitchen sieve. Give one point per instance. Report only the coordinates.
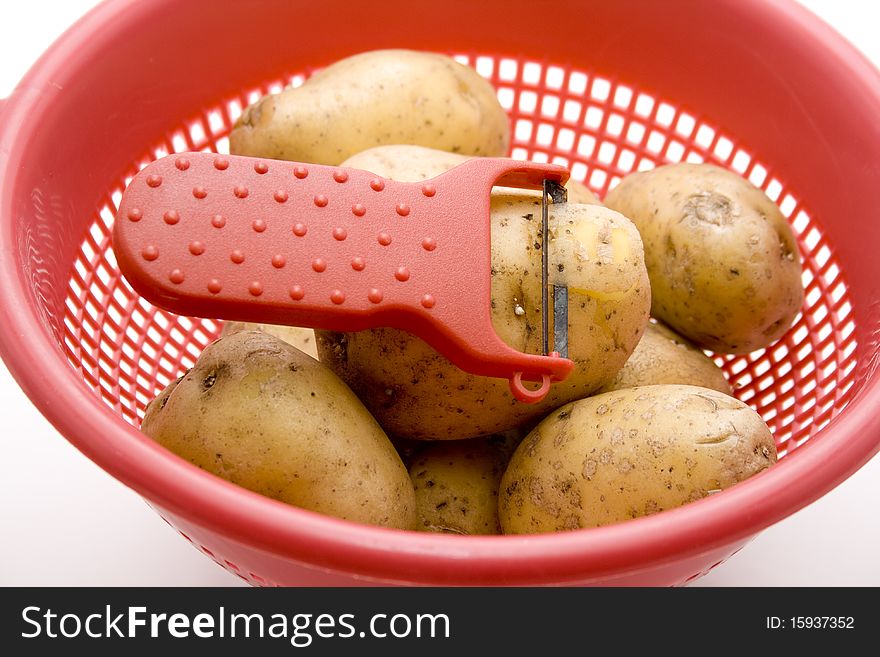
(771, 93)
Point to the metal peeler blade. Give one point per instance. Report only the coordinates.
(558, 194)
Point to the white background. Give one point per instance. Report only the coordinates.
(63, 521)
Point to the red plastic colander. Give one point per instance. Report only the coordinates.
(759, 86)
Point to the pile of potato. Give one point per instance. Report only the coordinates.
(331, 422)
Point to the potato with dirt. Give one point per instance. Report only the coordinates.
(724, 264)
(417, 393)
(409, 163)
(261, 414)
(374, 98)
(630, 453)
(663, 356)
(456, 483)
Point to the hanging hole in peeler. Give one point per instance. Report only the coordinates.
(526, 395)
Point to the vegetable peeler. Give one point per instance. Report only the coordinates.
(340, 249)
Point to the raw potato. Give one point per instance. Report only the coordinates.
(301, 338)
(408, 163)
(375, 98)
(724, 265)
(456, 484)
(630, 453)
(416, 393)
(662, 356)
(261, 414)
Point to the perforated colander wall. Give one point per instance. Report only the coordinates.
(127, 350)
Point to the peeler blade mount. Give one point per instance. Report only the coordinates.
(335, 248)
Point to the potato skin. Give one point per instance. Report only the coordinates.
(301, 338)
(258, 412)
(417, 393)
(630, 453)
(374, 98)
(409, 163)
(663, 356)
(724, 265)
(456, 483)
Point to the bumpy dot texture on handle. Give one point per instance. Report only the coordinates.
(246, 221)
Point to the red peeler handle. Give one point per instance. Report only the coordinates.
(327, 247)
